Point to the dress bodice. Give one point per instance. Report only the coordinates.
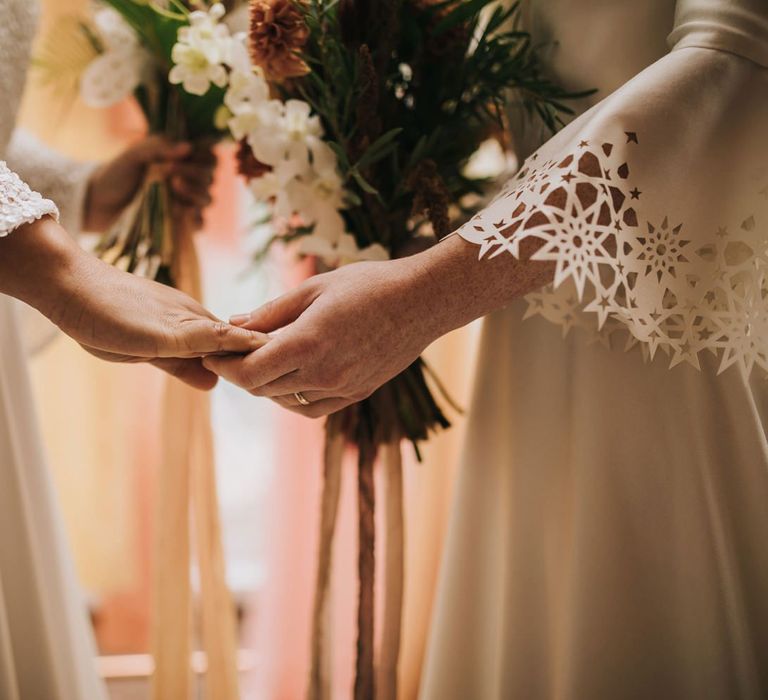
(630, 35)
(31, 167)
(18, 19)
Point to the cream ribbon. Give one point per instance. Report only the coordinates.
(187, 487)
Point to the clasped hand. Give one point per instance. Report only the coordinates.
(340, 336)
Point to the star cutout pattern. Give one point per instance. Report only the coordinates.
(623, 272)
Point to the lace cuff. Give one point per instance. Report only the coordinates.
(61, 179)
(19, 205)
(657, 222)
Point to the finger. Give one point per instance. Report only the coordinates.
(155, 149)
(316, 410)
(288, 385)
(261, 367)
(199, 175)
(209, 337)
(190, 189)
(312, 396)
(191, 195)
(190, 371)
(279, 312)
(204, 156)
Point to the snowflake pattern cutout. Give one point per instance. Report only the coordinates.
(618, 271)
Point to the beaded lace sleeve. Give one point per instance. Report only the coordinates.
(19, 204)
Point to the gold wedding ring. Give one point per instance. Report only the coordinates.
(301, 398)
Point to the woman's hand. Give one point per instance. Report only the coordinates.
(189, 170)
(348, 332)
(345, 334)
(114, 315)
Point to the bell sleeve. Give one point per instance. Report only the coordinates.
(653, 205)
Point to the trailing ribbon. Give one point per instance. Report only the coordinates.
(320, 680)
(394, 574)
(187, 487)
(371, 680)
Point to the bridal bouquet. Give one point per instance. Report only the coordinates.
(378, 108)
(189, 74)
(364, 149)
(183, 66)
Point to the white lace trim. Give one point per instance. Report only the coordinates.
(20, 205)
(629, 271)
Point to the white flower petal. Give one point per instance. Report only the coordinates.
(110, 78)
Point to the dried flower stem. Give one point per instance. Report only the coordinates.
(364, 672)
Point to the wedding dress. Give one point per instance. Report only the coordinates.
(609, 538)
(46, 651)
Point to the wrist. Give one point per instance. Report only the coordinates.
(438, 281)
(37, 263)
(460, 288)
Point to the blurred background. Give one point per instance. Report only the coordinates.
(101, 424)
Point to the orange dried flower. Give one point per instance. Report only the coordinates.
(278, 33)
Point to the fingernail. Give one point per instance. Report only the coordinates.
(207, 364)
(240, 319)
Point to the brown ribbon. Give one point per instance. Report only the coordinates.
(372, 680)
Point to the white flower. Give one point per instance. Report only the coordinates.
(247, 90)
(304, 181)
(197, 67)
(248, 101)
(113, 30)
(275, 186)
(202, 50)
(323, 191)
(255, 123)
(294, 136)
(239, 57)
(120, 68)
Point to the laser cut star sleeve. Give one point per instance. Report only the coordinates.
(654, 207)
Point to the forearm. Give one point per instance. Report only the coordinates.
(35, 262)
(455, 287)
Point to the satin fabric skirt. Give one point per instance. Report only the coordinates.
(46, 647)
(608, 539)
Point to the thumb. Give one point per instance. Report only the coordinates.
(158, 149)
(277, 313)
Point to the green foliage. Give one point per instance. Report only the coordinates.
(400, 82)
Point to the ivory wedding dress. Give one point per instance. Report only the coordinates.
(610, 533)
(46, 651)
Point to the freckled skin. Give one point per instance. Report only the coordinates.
(347, 332)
